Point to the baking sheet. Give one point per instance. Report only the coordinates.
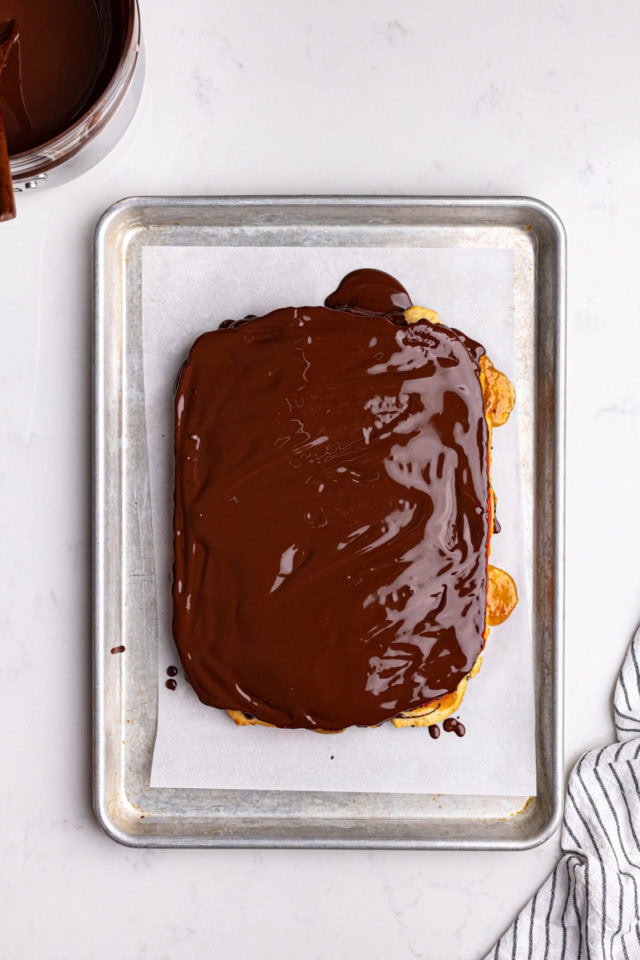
(189, 289)
(126, 588)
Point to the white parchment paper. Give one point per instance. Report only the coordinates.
(187, 290)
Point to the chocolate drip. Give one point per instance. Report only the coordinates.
(452, 725)
(369, 292)
(330, 511)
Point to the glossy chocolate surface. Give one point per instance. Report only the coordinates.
(330, 511)
(65, 55)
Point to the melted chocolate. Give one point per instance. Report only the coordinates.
(369, 292)
(65, 55)
(434, 731)
(172, 671)
(330, 529)
(451, 725)
(118, 649)
(171, 684)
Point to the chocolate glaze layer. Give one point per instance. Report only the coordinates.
(330, 529)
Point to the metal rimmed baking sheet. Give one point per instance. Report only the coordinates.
(125, 587)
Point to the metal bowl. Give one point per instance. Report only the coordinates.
(93, 136)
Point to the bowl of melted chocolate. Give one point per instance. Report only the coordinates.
(70, 86)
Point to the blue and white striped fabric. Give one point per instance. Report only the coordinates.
(589, 908)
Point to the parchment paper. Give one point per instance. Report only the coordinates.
(187, 290)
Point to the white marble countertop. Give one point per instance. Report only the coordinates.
(365, 96)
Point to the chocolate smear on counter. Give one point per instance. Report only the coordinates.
(171, 684)
(330, 525)
(118, 649)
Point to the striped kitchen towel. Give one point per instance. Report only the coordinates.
(589, 908)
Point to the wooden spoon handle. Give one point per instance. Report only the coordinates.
(7, 199)
(8, 36)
